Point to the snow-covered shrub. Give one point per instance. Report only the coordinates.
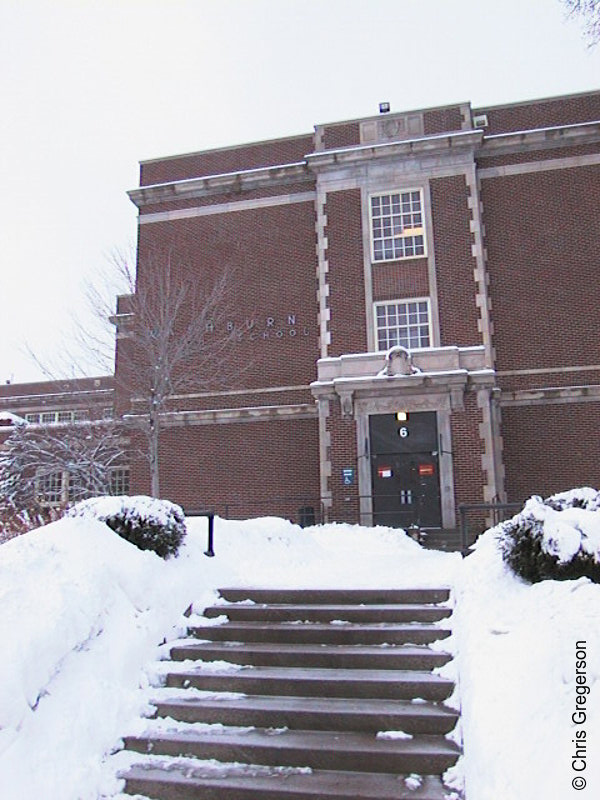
(554, 539)
(146, 522)
(575, 498)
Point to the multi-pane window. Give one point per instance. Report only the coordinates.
(49, 488)
(75, 489)
(397, 225)
(119, 480)
(61, 487)
(53, 417)
(402, 322)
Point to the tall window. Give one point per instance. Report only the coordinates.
(119, 480)
(397, 225)
(50, 487)
(403, 322)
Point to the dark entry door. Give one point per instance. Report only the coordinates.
(405, 469)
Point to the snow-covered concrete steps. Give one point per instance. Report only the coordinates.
(303, 695)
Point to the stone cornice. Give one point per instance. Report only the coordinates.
(425, 145)
(229, 182)
(540, 139)
(438, 146)
(551, 394)
(219, 416)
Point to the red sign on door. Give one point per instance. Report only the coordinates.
(426, 470)
(384, 472)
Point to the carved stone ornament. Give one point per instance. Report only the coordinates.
(347, 404)
(398, 361)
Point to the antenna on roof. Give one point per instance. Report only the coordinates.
(384, 108)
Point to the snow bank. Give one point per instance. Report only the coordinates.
(271, 551)
(516, 650)
(82, 614)
(80, 611)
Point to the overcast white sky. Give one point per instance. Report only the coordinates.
(88, 89)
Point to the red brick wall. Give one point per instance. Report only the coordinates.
(543, 113)
(441, 120)
(346, 273)
(234, 159)
(550, 448)
(346, 135)
(541, 238)
(397, 279)
(254, 467)
(467, 449)
(270, 254)
(227, 399)
(343, 454)
(454, 262)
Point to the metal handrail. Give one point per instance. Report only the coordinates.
(495, 509)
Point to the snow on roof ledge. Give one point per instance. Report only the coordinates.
(7, 419)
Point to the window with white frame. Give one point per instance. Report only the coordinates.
(54, 417)
(397, 225)
(51, 488)
(60, 487)
(402, 322)
(119, 480)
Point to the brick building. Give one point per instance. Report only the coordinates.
(415, 310)
(60, 405)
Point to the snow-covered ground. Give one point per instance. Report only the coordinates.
(82, 614)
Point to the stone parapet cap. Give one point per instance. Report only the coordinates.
(217, 416)
(541, 138)
(207, 185)
(429, 360)
(405, 147)
(551, 394)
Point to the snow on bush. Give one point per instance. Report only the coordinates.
(81, 611)
(515, 646)
(146, 522)
(554, 539)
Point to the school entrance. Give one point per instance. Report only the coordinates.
(404, 453)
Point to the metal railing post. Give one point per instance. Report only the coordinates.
(211, 532)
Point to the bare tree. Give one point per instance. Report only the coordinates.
(45, 466)
(589, 12)
(173, 337)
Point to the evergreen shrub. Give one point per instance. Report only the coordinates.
(548, 541)
(146, 522)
